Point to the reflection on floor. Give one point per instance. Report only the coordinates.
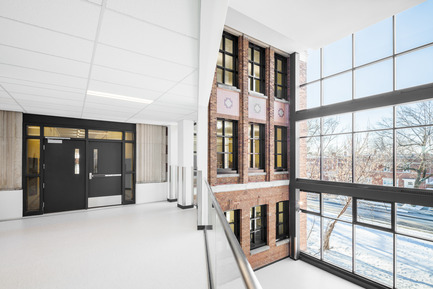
(139, 246)
(300, 275)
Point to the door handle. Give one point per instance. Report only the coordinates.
(90, 176)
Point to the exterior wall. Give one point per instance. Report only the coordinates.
(258, 188)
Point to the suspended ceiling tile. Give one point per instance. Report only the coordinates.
(185, 90)
(49, 104)
(134, 35)
(181, 16)
(57, 112)
(178, 100)
(41, 76)
(31, 99)
(39, 85)
(78, 18)
(130, 79)
(43, 62)
(168, 109)
(43, 92)
(191, 79)
(138, 63)
(44, 41)
(123, 90)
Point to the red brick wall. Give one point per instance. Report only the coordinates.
(243, 201)
(246, 199)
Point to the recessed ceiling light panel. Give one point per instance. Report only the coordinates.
(118, 97)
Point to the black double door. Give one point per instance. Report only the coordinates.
(65, 175)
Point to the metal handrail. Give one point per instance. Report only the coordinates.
(247, 272)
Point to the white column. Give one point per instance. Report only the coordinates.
(186, 162)
(172, 163)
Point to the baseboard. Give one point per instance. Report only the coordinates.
(185, 207)
(171, 200)
(204, 227)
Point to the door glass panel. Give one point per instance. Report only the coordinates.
(33, 130)
(33, 194)
(64, 132)
(77, 161)
(129, 157)
(129, 187)
(105, 134)
(33, 156)
(95, 161)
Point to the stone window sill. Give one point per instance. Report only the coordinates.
(281, 173)
(259, 250)
(282, 242)
(281, 100)
(227, 175)
(228, 87)
(257, 94)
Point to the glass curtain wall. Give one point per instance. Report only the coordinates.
(363, 121)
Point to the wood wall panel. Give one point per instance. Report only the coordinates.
(11, 140)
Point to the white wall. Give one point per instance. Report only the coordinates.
(151, 192)
(11, 204)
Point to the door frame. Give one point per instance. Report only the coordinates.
(63, 122)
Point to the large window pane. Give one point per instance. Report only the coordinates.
(414, 27)
(310, 201)
(373, 157)
(337, 124)
(129, 157)
(310, 234)
(414, 263)
(374, 79)
(309, 156)
(414, 157)
(374, 42)
(374, 255)
(337, 243)
(310, 127)
(415, 220)
(337, 88)
(309, 96)
(129, 187)
(374, 213)
(337, 56)
(414, 114)
(415, 68)
(337, 158)
(313, 65)
(379, 118)
(337, 207)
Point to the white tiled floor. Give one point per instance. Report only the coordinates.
(300, 275)
(140, 246)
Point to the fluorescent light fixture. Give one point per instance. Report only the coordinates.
(118, 96)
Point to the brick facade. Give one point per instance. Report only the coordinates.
(245, 199)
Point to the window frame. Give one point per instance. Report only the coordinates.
(251, 62)
(235, 147)
(236, 223)
(234, 55)
(262, 230)
(283, 76)
(283, 146)
(251, 149)
(285, 223)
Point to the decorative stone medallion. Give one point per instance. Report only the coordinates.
(281, 112)
(257, 108)
(228, 103)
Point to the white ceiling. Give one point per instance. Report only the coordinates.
(53, 51)
(296, 25)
